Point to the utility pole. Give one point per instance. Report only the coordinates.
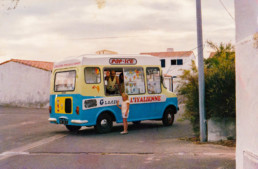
(203, 123)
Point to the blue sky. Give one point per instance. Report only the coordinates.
(50, 30)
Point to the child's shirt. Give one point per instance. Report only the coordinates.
(124, 106)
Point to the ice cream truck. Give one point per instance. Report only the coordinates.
(82, 94)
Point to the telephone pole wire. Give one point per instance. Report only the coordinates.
(203, 123)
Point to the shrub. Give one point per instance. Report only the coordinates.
(219, 72)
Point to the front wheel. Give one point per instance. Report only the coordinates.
(168, 117)
(73, 128)
(136, 122)
(104, 124)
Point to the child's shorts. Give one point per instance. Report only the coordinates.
(125, 117)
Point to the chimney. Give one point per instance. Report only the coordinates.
(170, 49)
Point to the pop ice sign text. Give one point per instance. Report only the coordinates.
(122, 61)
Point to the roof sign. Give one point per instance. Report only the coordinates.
(122, 61)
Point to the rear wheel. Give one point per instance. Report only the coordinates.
(104, 123)
(168, 117)
(73, 128)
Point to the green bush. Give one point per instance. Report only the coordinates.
(219, 72)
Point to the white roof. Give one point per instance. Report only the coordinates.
(108, 60)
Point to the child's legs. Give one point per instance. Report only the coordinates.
(125, 124)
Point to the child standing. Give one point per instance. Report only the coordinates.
(125, 111)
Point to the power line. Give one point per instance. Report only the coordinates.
(226, 9)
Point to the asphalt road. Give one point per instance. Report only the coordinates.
(29, 141)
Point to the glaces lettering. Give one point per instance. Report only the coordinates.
(107, 102)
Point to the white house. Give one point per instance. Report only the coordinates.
(246, 14)
(25, 83)
(172, 63)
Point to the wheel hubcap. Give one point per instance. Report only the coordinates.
(169, 117)
(104, 123)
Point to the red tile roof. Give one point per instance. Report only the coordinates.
(169, 54)
(48, 66)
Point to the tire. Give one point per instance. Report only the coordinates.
(73, 128)
(104, 123)
(168, 117)
(136, 122)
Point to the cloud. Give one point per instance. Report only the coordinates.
(43, 29)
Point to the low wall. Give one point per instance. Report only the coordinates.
(221, 129)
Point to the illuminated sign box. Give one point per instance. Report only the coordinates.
(122, 61)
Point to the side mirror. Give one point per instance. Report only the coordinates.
(161, 79)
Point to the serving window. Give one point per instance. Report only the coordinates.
(92, 75)
(65, 81)
(134, 80)
(153, 80)
(113, 81)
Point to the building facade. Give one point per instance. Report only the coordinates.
(246, 14)
(25, 83)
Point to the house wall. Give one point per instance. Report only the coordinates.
(246, 12)
(175, 70)
(167, 83)
(24, 86)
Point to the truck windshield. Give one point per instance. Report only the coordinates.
(65, 81)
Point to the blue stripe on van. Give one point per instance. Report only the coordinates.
(137, 112)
